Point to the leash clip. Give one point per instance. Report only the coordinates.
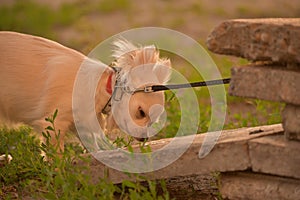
(148, 89)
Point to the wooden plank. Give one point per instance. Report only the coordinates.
(229, 154)
(251, 186)
(275, 155)
(272, 83)
(291, 122)
(274, 40)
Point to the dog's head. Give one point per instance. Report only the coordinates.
(134, 113)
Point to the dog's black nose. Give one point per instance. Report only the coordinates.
(141, 139)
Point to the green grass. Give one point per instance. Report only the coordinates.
(29, 17)
(108, 6)
(262, 113)
(29, 175)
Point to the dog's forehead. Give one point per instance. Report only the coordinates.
(143, 75)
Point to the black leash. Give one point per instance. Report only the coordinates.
(156, 88)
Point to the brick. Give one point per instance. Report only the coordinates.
(274, 40)
(291, 122)
(193, 187)
(275, 155)
(273, 83)
(229, 154)
(243, 185)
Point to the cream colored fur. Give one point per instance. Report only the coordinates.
(37, 76)
(141, 66)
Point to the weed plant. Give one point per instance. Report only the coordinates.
(56, 176)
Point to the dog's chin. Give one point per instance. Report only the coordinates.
(138, 133)
(140, 136)
(141, 139)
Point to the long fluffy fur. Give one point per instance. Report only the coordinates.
(34, 71)
(129, 56)
(37, 76)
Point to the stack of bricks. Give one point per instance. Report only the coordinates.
(273, 47)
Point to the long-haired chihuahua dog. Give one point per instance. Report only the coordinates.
(37, 76)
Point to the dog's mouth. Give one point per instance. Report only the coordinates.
(141, 139)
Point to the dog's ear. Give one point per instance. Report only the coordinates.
(124, 53)
(122, 48)
(163, 70)
(129, 56)
(150, 55)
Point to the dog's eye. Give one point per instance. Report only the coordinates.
(141, 114)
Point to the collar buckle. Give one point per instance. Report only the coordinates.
(148, 89)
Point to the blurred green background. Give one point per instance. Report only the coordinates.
(82, 24)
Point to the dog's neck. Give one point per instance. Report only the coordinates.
(109, 83)
(104, 89)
